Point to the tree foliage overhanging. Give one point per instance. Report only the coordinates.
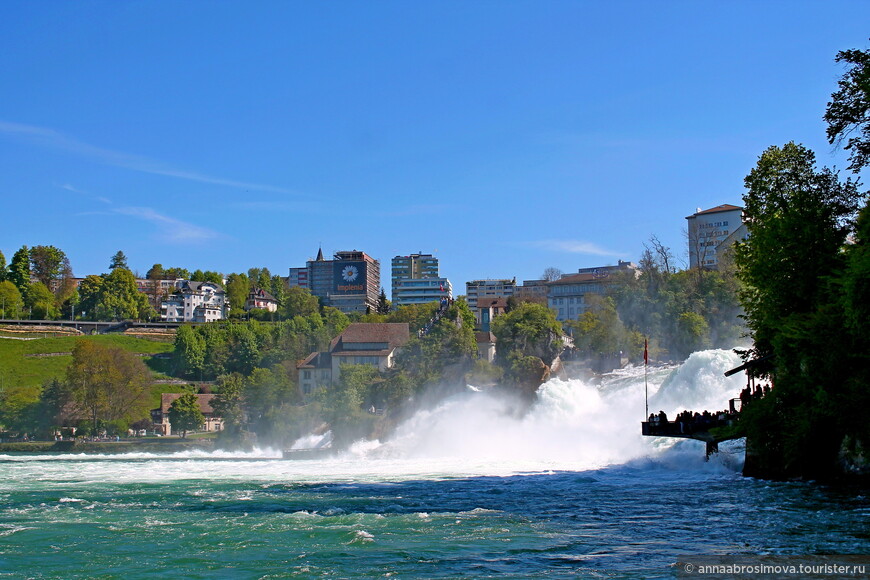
(804, 296)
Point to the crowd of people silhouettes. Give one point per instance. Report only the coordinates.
(688, 422)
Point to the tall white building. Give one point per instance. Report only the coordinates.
(707, 230)
(415, 280)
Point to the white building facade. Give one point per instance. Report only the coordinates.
(707, 230)
(194, 302)
(408, 292)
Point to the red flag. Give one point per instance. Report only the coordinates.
(645, 353)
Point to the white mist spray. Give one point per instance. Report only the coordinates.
(573, 425)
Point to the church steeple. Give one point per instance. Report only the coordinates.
(319, 255)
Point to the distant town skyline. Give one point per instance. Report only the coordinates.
(503, 138)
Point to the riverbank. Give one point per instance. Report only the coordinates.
(145, 445)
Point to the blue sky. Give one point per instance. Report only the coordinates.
(505, 137)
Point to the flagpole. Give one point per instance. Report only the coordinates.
(645, 385)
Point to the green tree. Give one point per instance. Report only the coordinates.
(156, 272)
(69, 308)
(19, 270)
(120, 298)
(798, 219)
(529, 339)
(47, 263)
(530, 329)
(155, 292)
(856, 286)
(185, 414)
(299, 302)
(334, 321)
(227, 404)
(442, 356)
(278, 288)
(260, 277)
(213, 277)
(119, 260)
(11, 302)
(245, 351)
(692, 334)
(344, 404)
(383, 303)
(40, 301)
(90, 293)
(107, 383)
(55, 400)
(264, 391)
(238, 288)
(855, 397)
(848, 112)
(190, 350)
(66, 286)
(599, 330)
(3, 272)
(177, 274)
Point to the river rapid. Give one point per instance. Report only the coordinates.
(471, 488)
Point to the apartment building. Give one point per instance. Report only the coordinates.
(707, 230)
(415, 280)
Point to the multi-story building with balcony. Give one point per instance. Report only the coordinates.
(502, 288)
(194, 302)
(415, 280)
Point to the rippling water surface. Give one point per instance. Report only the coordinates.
(465, 490)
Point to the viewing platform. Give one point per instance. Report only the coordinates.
(698, 426)
(711, 428)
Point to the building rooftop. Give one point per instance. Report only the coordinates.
(488, 302)
(394, 334)
(577, 278)
(717, 209)
(262, 294)
(484, 337)
(204, 401)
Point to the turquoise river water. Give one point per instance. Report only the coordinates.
(466, 490)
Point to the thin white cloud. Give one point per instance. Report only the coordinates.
(55, 140)
(69, 187)
(573, 247)
(171, 229)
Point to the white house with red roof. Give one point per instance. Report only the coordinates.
(259, 299)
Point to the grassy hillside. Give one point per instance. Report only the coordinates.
(20, 368)
(25, 365)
